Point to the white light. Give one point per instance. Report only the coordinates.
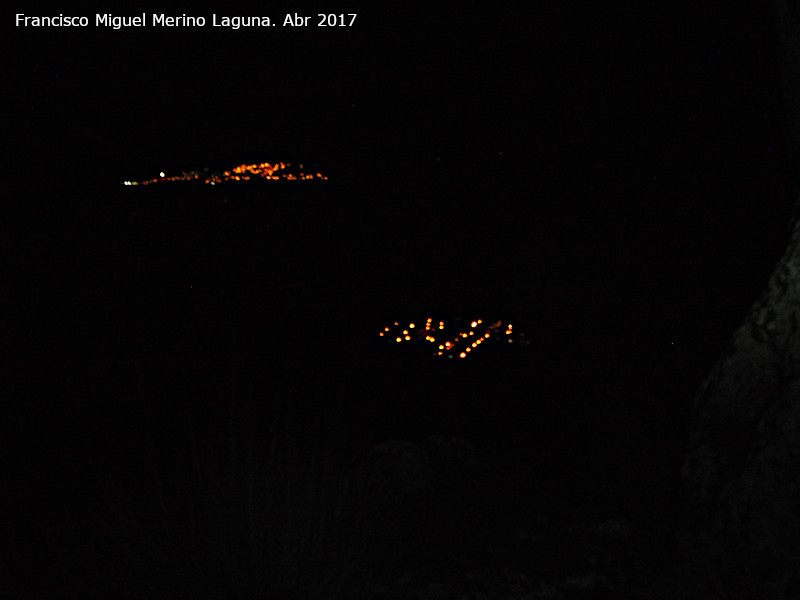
(161, 174)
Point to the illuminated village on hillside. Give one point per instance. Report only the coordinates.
(253, 172)
(452, 339)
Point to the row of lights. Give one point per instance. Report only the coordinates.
(450, 344)
(265, 170)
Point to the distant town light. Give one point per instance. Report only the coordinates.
(459, 343)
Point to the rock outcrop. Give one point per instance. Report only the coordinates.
(742, 470)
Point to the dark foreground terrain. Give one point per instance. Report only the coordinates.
(209, 382)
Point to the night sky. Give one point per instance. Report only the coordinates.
(616, 184)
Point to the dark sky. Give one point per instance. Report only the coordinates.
(594, 96)
(549, 86)
(662, 119)
(667, 119)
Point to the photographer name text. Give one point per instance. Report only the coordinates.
(110, 21)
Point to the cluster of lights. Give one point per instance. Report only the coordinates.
(451, 340)
(256, 172)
